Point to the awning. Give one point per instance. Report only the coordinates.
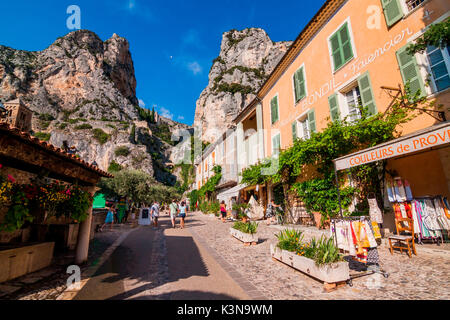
(233, 192)
(420, 140)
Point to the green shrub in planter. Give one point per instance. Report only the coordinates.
(322, 251)
(250, 227)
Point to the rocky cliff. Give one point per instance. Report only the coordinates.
(83, 91)
(246, 60)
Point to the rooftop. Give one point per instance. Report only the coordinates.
(49, 148)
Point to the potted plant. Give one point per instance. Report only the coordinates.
(245, 232)
(320, 259)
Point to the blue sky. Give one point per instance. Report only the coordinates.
(172, 43)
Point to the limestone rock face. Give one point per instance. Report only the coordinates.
(78, 86)
(246, 60)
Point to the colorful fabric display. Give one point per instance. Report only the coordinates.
(408, 191)
(390, 191)
(441, 217)
(376, 230)
(446, 206)
(400, 193)
(375, 211)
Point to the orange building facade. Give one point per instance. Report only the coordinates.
(342, 58)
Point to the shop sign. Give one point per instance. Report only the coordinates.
(410, 145)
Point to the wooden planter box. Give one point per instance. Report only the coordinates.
(247, 238)
(331, 273)
(18, 261)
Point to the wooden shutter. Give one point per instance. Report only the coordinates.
(346, 44)
(294, 131)
(367, 97)
(312, 121)
(336, 51)
(274, 109)
(341, 47)
(334, 107)
(410, 71)
(299, 85)
(392, 11)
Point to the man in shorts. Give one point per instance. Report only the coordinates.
(154, 211)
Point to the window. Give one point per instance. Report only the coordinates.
(304, 127)
(439, 64)
(349, 100)
(276, 144)
(412, 4)
(341, 47)
(274, 109)
(299, 84)
(353, 101)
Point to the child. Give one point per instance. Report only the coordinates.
(109, 219)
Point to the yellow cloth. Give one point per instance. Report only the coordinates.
(376, 230)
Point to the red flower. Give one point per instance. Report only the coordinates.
(1, 166)
(10, 178)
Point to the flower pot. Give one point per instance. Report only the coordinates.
(244, 237)
(329, 273)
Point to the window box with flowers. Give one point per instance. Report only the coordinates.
(318, 258)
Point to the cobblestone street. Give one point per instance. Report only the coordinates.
(423, 277)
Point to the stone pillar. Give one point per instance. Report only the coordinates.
(82, 250)
(259, 124)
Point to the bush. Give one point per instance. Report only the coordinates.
(322, 251)
(122, 151)
(43, 136)
(84, 126)
(114, 167)
(101, 136)
(46, 117)
(250, 227)
(63, 125)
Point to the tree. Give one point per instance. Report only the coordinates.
(136, 185)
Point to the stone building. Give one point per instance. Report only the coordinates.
(17, 115)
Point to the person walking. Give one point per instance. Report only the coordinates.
(154, 211)
(109, 219)
(182, 214)
(173, 208)
(270, 212)
(223, 211)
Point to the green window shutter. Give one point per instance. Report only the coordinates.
(274, 109)
(294, 131)
(346, 44)
(341, 47)
(299, 85)
(312, 121)
(334, 107)
(410, 71)
(392, 11)
(367, 97)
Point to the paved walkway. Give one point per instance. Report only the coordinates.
(425, 276)
(161, 263)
